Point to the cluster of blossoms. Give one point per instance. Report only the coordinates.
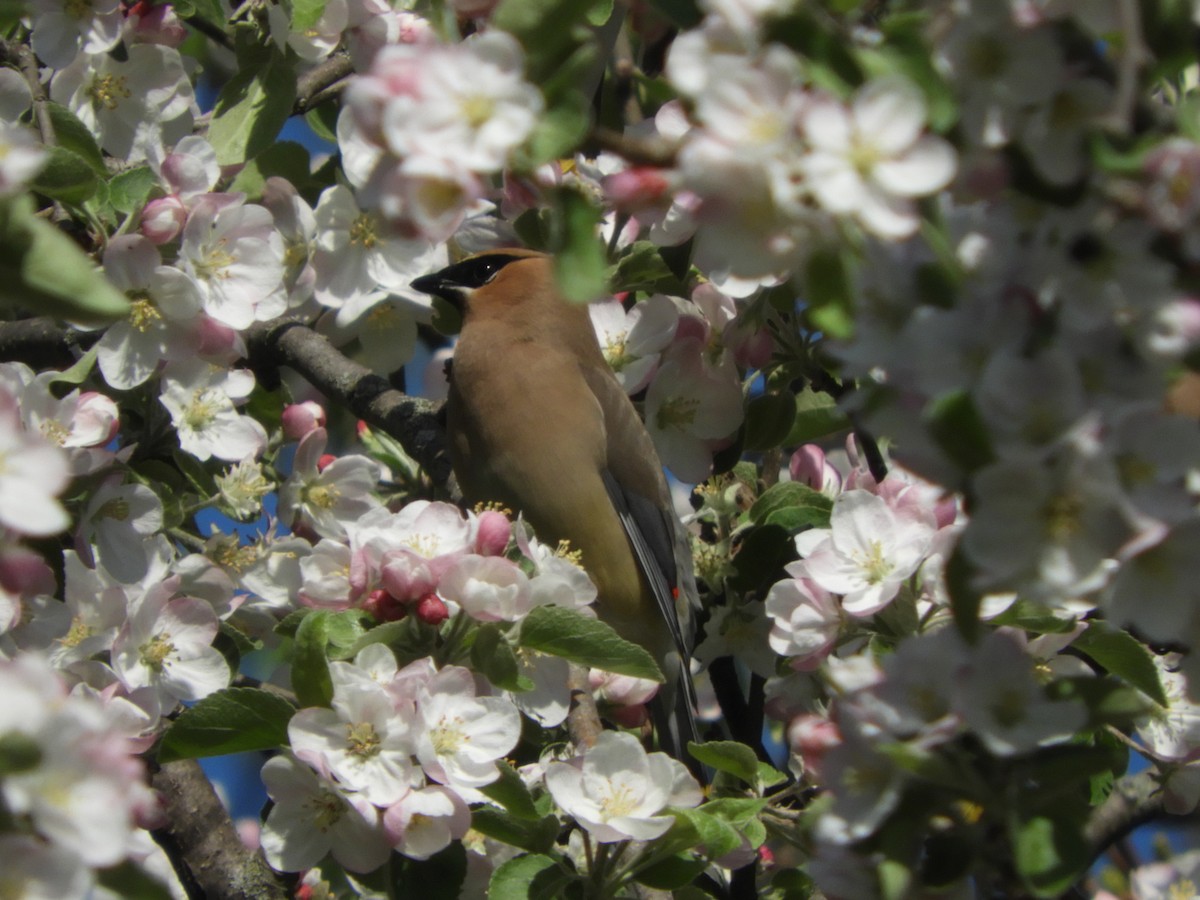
(72, 781)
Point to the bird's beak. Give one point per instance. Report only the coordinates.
(431, 284)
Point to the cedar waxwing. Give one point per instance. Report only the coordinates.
(538, 422)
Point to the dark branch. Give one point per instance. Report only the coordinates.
(1135, 800)
(210, 31)
(41, 343)
(410, 420)
(199, 836)
(322, 82)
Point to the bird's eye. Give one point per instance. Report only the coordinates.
(482, 269)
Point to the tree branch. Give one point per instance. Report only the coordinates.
(583, 721)
(199, 836)
(42, 343)
(642, 151)
(410, 420)
(1135, 800)
(322, 82)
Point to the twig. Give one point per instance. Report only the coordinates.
(1135, 800)
(410, 420)
(210, 31)
(647, 151)
(322, 82)
(583, 721)
(200, 837)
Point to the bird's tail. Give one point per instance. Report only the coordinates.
(673, 712)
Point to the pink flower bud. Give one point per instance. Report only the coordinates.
(810, 737)
(326, 460)
(809, 466)
(384, 607)
(301, 418)
(157, 25)
(163, 219)
(431, 610)
(494, 530)
(636, 189)
(751, 348)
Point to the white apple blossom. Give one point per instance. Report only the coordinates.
(805, 618)
(312, 818)
(1172, 732)
(242, 488)
(459, 736)
(632, 341)
(869, 550)
(134, 105)
(34, 870)
(33, 471)
(363, 742)
(871, 160)
(21, 156)
(234, 253)
(62, 29)
(689, 407)
(618, 792)
(166, 644)
(201, 400)
(424, 822)
(162, 322)
(488, 588)
(117, 520)
(327, 497)
(1004, 704)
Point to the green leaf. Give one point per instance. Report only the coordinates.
(230, 721)
(306, 13)
(641, 267)
(763, 552)
(1123, 655)
(529, 877)
(717, 835)
(66, 176)
(440, 877)
(965, 598)
(79, 372)
(195, 472)
(599, 12)
(509, 791)
(580, 264)
(44, 271)
(310, 666)
(286, 159)
(955, 424)
(323, 121)
(791, 505)
(251, 109)
(589, 642)
(129, 191)
(130, 881)
(727, 756)
(1050, 852)
(829, 294)
(535, 836)
(71, 134)
(1033, 617)
(817, 415)
(344, 630)
(493, 657)
(673, 872)
(769, 420)
(558, 132)
(18, 753)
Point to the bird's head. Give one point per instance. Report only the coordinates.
(509, 273)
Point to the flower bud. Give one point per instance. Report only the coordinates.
(635, 189)
(384, 607)
(301, 418)
(494, 531)
(431, 610)
(326, 460)
(163, 219)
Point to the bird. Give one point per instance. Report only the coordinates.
(536, 421)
